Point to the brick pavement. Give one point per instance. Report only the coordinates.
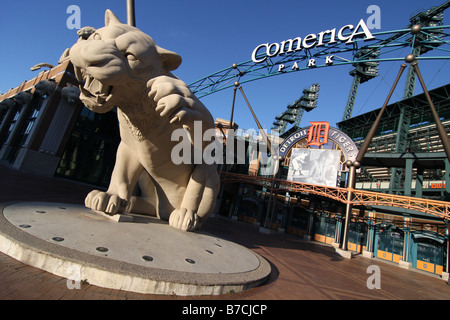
(301, 270)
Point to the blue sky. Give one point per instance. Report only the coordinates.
(211, 35)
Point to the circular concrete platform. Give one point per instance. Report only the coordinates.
(140, 254)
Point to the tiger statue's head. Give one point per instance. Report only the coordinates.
(115, 63)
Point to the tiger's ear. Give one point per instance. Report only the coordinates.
(111, 18)
(171, 61)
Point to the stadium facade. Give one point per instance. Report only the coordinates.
(44, 128)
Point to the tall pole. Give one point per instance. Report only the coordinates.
(236, 84)
(261, 130)
(131, 17)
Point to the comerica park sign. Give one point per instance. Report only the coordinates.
(347, 34)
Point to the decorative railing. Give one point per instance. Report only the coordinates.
(359, 197)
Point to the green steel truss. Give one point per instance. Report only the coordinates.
(294, 112)
(421, 138)
(363, 55)
(432, 17)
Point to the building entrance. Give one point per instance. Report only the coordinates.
(325, 228)
(389, 242)
(428, 251)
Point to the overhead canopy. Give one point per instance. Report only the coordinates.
(425, 160)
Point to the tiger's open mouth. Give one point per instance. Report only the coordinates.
(92, 88)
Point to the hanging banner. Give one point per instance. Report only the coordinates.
(320, 133)
(314, 166)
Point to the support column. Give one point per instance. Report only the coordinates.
(400, 147)
(339, 223)
(404, 262)
(352, 166)
(10, 104)
(419, 183)
(274, 205)
(237, 204)
(23, 100)
(262, 201)
(447, 180)
(286, 213)
(337, 234)
(408, 177)
(446, 273)
(368, 253)
(309, 227)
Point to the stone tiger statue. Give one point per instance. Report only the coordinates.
(121, 66)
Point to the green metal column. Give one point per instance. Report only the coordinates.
(408, 177)
(447, 236)
(447, 180)
(407, 237)
(397, 174)
(370, 233)
(419, 183)
(404, 122)
(337, 236)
